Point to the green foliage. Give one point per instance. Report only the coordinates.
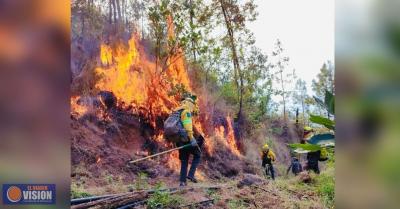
(282, 75)
(320, 140)
(325, 80)
(323, 121)
(87, 19)
(157, 15)
(304, 148)
(236, 204)
(141, 181)
(300, 98)
(163, 199)
(330, 102)
(78, 192)
(229, 93)
(276, 130)
(109, 179)
(325, 187)
(213, 194)
(178, 90)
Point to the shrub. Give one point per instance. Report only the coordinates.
(213, 194)
(109, 179)
(78, 192)
(325, 186)
(163, 199)
(236, 204)
(141, 181)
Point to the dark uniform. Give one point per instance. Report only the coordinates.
(296, 167)
(184, 155)
(312, 161)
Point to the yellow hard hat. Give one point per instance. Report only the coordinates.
(307, 128)
(189, 97)
(189, 100)
(265, 147)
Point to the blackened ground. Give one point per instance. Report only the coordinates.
(101, 148)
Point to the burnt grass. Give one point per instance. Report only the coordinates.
(103, 147)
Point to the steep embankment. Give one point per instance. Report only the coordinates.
(101, 149)
(121, 120)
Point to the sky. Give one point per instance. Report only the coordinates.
(305, 28)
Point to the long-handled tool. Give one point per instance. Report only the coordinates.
(161, 153)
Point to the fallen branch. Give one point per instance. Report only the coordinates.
(135, 198)
(89, 199)
(121, 201)
(132, 205)
(91, 204)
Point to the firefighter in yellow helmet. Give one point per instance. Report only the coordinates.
(188, 108)
(307, 134)
(268, 157)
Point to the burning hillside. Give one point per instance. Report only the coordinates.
(143, 87)
(132, 84)
(136, 63)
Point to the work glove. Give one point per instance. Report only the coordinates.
(193, 142)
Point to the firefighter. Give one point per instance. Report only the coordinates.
(313, 157)
(296, 167)
(188, 108)
(307, 134)
(268, 156)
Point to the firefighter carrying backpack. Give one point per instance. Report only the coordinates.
(173, 126)
(296, 167)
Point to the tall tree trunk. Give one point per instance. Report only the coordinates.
(142, 20)
(114, 11)
(283, 95)
(297, 119)
(119, 11)
(191, 13)
(302, 108)
(110, 12)
(237, 72)
(123, 11)
(83, 24)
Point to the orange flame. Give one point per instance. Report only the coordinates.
(137, 81)
(128, 85)
(227, 136)
(231, 137)
(98, 160)
(173, 161)
(176, 61)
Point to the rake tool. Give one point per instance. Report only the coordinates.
(161, 153)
